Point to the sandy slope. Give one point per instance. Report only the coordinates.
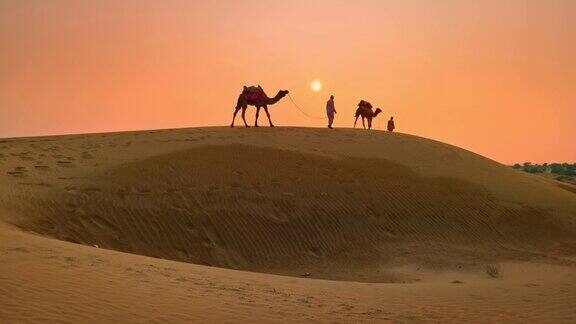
(403, 214)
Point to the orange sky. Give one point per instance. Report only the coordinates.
(496, 77)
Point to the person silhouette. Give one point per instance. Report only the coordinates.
(330, 111)
(391, 125)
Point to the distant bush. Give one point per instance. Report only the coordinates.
(566, 169)
(533, 168)
(563, 169)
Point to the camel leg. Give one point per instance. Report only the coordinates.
(355, 121)
(369, 123)
(244, 116)
(363, 125)
(268, 114)
(257, 114)
(234, 116)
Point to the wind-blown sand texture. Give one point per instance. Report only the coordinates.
(384, 226)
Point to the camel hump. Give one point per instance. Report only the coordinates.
(364, 103)
(253, 89)
(254, 93)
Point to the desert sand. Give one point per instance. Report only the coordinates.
(278, 225)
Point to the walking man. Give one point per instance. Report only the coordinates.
(330, 111)
(391, 125)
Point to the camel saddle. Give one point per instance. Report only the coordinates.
(364, 107)
(254, 93)
(365, 104)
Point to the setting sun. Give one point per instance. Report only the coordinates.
(316, 86)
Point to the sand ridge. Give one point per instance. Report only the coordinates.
(45, 280)
(346, 205)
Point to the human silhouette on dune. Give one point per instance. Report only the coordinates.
(330, 111)
(391, 125)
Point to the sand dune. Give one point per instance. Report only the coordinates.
(406, 212)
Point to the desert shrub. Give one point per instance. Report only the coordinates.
(492, 271)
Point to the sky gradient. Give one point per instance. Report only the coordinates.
(494, 77)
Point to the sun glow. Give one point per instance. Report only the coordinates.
(316, 86)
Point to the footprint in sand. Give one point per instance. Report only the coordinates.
(182, 253)
(70, 206)
(315, 251)
(65, 163)
(71, 189)
(87, 156)
(38, 184)
(124, 192)
(144, 192)
(18, 171)
(70, 261)
(90, 190)
(41, 167)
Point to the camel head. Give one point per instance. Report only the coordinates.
(282, 93)
(377, 111)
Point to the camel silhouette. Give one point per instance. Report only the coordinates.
(255, 96)
(366, 112)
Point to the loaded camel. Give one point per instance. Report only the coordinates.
(255, 96)
(365, 110)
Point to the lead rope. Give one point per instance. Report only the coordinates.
(302, 111)
(316, 117)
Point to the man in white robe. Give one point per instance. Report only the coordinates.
(330, 111)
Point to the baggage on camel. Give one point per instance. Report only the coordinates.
(254, 93)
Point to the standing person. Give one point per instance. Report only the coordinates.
(391, 125)
(330, 111)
